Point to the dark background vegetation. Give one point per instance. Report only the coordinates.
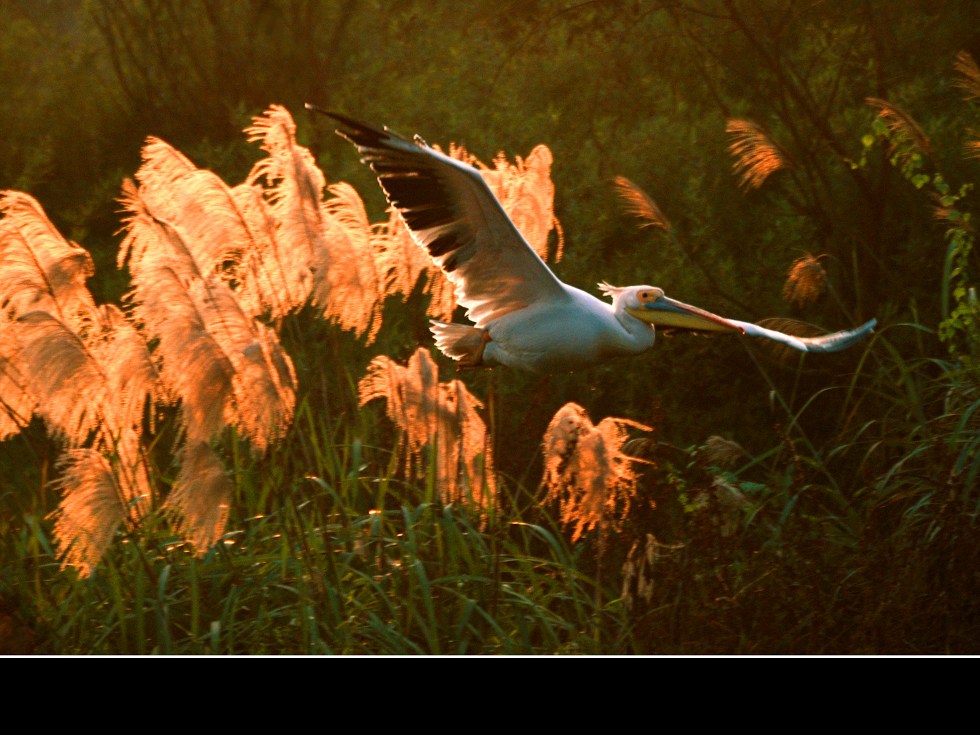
(858, 542)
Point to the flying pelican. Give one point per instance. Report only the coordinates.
(523, 316)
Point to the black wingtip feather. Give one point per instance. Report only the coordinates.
(357, 132)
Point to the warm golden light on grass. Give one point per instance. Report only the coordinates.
(901, 125)
(806, 281)
(212, 266)
(639, 204)
(87, 371)
(585, 470)
(439, 416)
(757, 155)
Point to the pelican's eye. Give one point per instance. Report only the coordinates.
(647, 296)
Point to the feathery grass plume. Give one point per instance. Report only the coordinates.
(729, 505)
(133, 380)
(969, 75)
(270, 281)
(41, 270)
(806, 280)
(226, 367)
(638, 569)
(102, 486)
(971, 149)
(87, 370)
(443, 415)
(757, 156)
(526, 192)
(904, 129)
(332, 240)
(723, 453)
(92, 391)
(586, 471)
(202, 496)
(465, 451)
(347, 283)
(64, 375)
(92, 509)
(639, 204)
(16, 401)
(400, 261)
(227, 230)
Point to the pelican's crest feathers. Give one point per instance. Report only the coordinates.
(609, 290)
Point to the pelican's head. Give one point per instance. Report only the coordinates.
(649, 304)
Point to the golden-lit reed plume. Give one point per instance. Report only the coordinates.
(971, 149)
(346, 279)
(52, 327)
(639, 204)
(806, 281)
(969, 75)
(227, 368)
(440, 415)
(42, 273)
(585, 470)
(41, 270)
(757, 156)
(903, 127)
(92, 508)
(332, 240)
(133, 378)
(526, 192)
(87, 370)
(66, 378)
(400, 261)
(16, 400)
(969, 81)
(229, 230)
(201, 497)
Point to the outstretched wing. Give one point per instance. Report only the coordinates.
(452, 213)
(833, 342)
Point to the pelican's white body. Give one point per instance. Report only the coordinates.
(568, 333)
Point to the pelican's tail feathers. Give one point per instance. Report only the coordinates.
(461, 342)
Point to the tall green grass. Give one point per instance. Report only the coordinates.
(329, 552)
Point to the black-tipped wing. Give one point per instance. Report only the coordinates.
(452, 213)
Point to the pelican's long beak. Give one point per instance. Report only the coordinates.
(665, 312)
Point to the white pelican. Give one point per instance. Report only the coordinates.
(522, 315)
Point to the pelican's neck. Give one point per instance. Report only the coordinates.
(639, 334)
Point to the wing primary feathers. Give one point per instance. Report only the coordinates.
(834, 342)
(359, 133)
(412, 184)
